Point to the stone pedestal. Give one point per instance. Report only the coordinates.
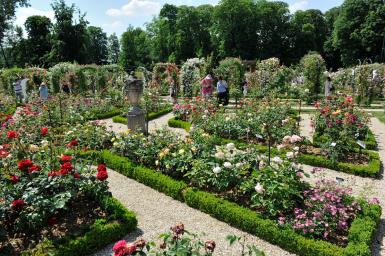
(136, 119)
(136, 116)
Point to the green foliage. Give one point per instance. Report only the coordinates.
(151, 116)
(179, 124)
(313, 69)
(232, 70)
(135, 48)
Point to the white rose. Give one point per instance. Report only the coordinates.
(181, 151)
(259, 188)
(239, 165)
(220, 155)
(277, 160)
(217, 170)
(262, 164)
(290, 155)
(157, 163)
(279, 147)
(296, 149)
(228, 165)
(230, 146)
(227, 119)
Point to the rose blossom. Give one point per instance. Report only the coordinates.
(120, 248)
(217, 170)
(17, 205)
(23, 165)
(102, 168)
(230, 146)
(44, 131)
(290, 155)
(228, 165)
(65, 158)
(14, 179)
(102, 175)
(12, 135)
(259, 188)
(295, 139)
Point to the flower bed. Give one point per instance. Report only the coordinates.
(360, 236)
(151, 116)
(370, 141)
(276, 192)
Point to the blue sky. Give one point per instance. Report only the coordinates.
(117, 15)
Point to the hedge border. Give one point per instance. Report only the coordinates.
(102, 115)
(361, 232)
(175, 123)
(119, 223)
(370, 141)
(151, 116)
(372, 169)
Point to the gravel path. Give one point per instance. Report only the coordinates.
(364, 187)
(157, 212)
(159, 123)
(305, 127)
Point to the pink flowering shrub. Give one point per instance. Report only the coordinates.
(194, 109)
(327, 212)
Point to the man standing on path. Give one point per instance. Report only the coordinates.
(222, 89)
(18, 91)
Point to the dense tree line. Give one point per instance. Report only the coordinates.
(249, 29)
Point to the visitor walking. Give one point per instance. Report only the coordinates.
(222, 89)
(328, 86)
(173, 92)
(43, 91)
(18, 91)
(207, 86)
(245, 88)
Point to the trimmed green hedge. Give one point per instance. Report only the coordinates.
(371, 143)
(105, 115)
(151, 116)
(373, 169)
(119, 223)
(361, 232)
(175, 123)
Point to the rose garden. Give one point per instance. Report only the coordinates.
(215, 155)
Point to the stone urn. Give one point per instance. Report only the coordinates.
(133, 89)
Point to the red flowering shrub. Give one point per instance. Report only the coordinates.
(195, 108)
(34, 168)
(14, 179)
(102, 175)
(342, 124)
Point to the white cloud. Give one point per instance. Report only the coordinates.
(136, 8)
(298, 5)
(113, 25)
(23, 13)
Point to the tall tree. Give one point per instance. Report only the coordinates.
(7, 13)
(204, 45)
(135, 48)
(39, 39)
(359, 30)
(69, 38)
(332, 55)
(235, 28)
(309, 31)
(97, 51)
(113, 49)
(273, 27)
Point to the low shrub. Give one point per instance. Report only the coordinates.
(175, 123)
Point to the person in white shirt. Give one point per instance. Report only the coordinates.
(328, 86)
(222, 89)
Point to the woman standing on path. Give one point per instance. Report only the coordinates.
(207, 87)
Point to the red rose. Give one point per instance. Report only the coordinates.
(102, 175)
(54, 173)
(52, 221)
(23, 165)
(65, 158)
(17, 205)
(12, 135)
(102, 168)
(34, 168)
(15, 179)
(44, 131)
(72, 144)
(66, 168)
(77, 175)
